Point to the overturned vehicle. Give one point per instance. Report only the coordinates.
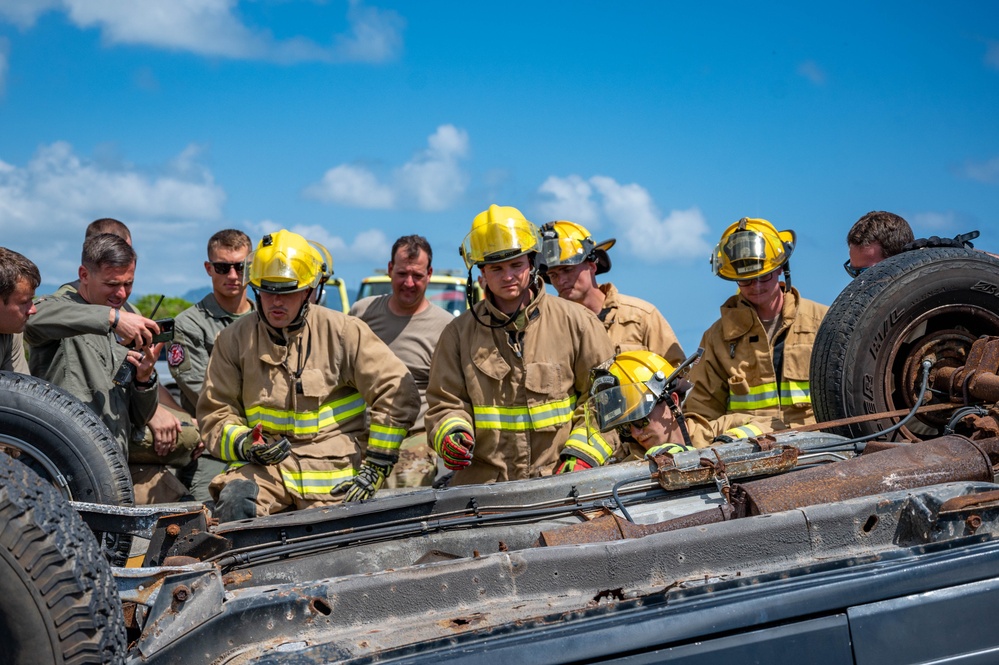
(871, 541)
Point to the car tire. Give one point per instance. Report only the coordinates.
(929, 303)
(58, 600)
(62, 440)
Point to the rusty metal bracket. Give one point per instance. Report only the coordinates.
(706, 472)
(721, 479)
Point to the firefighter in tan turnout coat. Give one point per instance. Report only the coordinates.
(510, 376)
(286, 392)
(757, 355)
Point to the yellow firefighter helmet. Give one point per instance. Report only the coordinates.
(500, 233)
(751, 248)
(568, 244)
(284, 262)
(627, 388)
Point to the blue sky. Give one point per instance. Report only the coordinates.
(657, 123)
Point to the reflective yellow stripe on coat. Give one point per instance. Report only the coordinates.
(766, 395)
(524, 418)
(230, 435)
(449, 426)
(315, 482)
(304, 423)
(594, 449)
(385, 441)
(743, 432)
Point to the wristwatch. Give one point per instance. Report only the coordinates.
(146, 385)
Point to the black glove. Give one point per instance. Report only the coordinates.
(962, 240)
(254, 447)
(369, 479)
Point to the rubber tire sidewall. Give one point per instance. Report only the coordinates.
(850, 354)
(74, 439)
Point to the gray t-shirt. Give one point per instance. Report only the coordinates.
(12, 354)
(411, 338)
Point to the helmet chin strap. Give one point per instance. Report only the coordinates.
(534, 285)
(295, 324)
(678, 416)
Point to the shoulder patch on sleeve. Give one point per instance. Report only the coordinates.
(175, 355)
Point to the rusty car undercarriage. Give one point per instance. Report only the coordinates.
(869, 538)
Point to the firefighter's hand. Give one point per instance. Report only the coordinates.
(257, 449)
(456, 450)
(671, 448)
(570, 463)
(369, 479)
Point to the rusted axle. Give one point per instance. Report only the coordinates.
(977, 379)
(942, 460)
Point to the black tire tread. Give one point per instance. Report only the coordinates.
(56, 549)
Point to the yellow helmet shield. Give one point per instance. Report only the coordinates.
(751, 248)
(621, 404)
(500, 233)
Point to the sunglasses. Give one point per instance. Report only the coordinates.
(851, 271)
(625, 429)
(223, 268)
(762, 280)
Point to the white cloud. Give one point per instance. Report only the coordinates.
(987, 171)
(213, 28)
(352, 186)
(811, 71)
(432, 180)
(46, 204)
(630, 209)
(570, 198)
(375, 35)
(24, 13)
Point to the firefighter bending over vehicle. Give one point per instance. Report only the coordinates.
(572, 260)
(285, 394)
(639, 393)
(757, 355)
(510, 376)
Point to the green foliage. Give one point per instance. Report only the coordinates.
(169, 308)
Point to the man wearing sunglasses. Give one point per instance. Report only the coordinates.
(757, 355)
(873, 238)
(196, 328)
